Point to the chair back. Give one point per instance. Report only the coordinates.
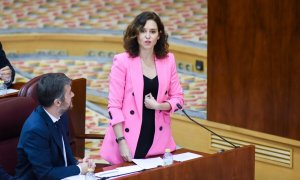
(13, 113)
(29, 89)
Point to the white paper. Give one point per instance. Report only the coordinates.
(116, 177)
(119, 171)
(106, 173)
(141, 165)
(185, 156)
(149, 163)
(77, 177)
(7, 91)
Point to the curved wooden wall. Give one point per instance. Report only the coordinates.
(83, 45)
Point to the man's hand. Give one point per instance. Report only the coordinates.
(83, 167)
(90, 163)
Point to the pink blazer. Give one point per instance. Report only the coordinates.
(125, 105)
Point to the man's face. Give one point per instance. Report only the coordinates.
(67, 104)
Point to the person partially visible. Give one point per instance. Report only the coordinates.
(144, 89)
(7, 72)
(43, 150)
(4, 175)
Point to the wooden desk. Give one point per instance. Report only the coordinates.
(101, 167)
(14, 94)
(233, 164)
(17, 86)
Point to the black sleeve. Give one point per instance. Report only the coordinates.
(5, 62)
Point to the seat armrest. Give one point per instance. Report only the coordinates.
(90, 136)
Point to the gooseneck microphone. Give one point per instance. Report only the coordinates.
(180, 107)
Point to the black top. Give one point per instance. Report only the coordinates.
(148, 123)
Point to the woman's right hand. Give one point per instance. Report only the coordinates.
(5, 74)
(124, 151)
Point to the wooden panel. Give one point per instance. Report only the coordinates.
(77, 117)
(189, 135)
(253, 65)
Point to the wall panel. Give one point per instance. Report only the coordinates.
(254, 65)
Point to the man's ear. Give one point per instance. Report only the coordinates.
(57, 102)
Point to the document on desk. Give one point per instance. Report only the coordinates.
(149, 163)
(185, 156)
(118, 171)
(7, 91)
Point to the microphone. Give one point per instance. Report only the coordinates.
(180, 107)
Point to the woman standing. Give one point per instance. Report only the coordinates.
(144, 89)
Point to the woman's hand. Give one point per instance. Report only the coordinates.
(150, 102)
(123, 147)
(124, 151)
(5, 74)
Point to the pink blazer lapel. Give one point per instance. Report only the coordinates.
(161, 79)
(136, 75)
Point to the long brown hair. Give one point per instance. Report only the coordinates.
(131, 45)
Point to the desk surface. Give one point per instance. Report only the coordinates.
(9, 93)
(232, 164)
(16, 86)
(101, 167)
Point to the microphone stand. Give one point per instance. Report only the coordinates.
(180, 107)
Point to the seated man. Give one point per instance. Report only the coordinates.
(43, 149)
(7, 72)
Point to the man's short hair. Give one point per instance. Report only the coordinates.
(52, 86)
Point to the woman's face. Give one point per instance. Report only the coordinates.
(148, 35)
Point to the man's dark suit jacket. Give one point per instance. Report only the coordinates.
(4, 62)
(40, 153)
